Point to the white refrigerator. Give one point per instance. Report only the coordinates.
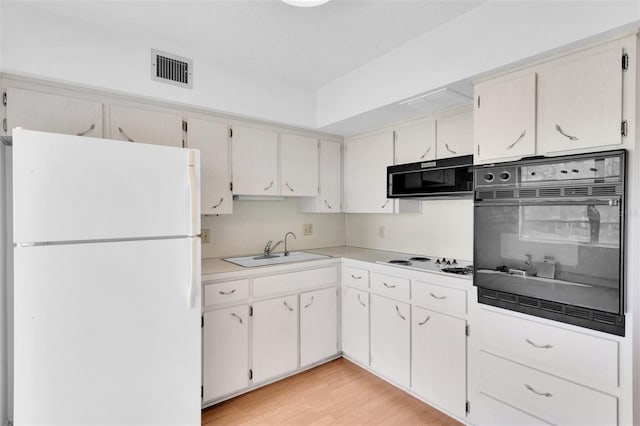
(106, 282)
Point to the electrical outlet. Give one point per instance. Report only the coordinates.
(308, 229)
(205, 236)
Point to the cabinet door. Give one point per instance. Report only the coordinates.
(580, 101)
(275, 337)
(210, 138)
(455, 135)
(415, 141)
(145, 126)
(53, 113)
(355, 324)
(254, 161)
(365, 174)
(390, 339)
(504, 119)
(298, 166)
(439, 359)
(318, 325)
(329, 200)
(225, 351)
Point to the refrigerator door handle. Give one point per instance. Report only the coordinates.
(193, 274)
(193, 193)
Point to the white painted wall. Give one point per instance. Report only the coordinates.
(445, 228)
(253, 223)
(489, 37)
(59, 49)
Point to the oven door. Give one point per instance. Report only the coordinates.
(569, 252)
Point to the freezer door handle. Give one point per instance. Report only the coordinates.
(193, 275)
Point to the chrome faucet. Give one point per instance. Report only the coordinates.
(268, 249)
(286, 252)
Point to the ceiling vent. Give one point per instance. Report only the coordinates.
(439, 100)
(171, 69)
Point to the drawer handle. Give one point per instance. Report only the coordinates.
(437, 297)
(399, 314)
(361, 302)
(286, 305)
(226, 293)
(309, 304)
(425, 321)
(538, 346)
(524, 132)
(571, 138)
(237, 317)
(389, 285)
(545, 394)
(355, 277)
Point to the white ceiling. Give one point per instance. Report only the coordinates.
(304, 46)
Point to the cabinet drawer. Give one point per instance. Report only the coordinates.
(590, 360)
(294, 281)
(491, 412)
(354, 277)
(549, 398)
(439, 298)
(390, 286)
(230, 291)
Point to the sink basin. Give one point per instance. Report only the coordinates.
(274, 259)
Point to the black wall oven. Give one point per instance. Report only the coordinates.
(549, 238)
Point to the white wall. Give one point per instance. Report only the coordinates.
(59, 49)
(445, 228)
(488, 37)
(253, 223)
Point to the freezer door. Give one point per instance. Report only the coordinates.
(108, 333)
(71, 188)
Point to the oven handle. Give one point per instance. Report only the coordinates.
(552, 202)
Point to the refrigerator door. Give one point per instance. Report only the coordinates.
(108, 333)
(71, 188)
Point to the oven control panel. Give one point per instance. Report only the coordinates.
(495, 176)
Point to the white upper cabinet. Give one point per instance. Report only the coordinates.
(145, 126)
(254, 161)
(580, 100)
(454, 135)
(210, 138)
(365, 173)
(298, 165)
(415, 141)
(504, 118)
(329, 200)
(45, 112)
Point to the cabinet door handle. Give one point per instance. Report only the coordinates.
(571, 138)
(446, 145)
(546, 394)
(399, 314)
(388, 285)
(437, 297)
(538, 346)
(289, 186)
(385, 204)
(287, 306)
(269, 186)
(524, 132)
(125, 135)
(425, 153)
(237, 317)
(356, 277)
(361, 302)
(226, 293)
(93, 126)
(215, 206)
(309, 304)
(327, 204)
(425, 321)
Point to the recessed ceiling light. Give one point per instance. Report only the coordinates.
(305, 3)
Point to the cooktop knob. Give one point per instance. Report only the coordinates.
(438, 262)
(488, 177)
(505, 176)
(453, 262)
(448, 262)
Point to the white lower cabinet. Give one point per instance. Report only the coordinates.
(225, 345)
(318, 325)
(391, 339)
(275, 337)
(355, 324)
(438, 359)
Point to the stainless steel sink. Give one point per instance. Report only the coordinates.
(273, 259)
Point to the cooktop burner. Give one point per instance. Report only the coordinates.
(420, 259)
(460, 271)
(400, 262)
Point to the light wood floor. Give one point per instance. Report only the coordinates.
(336, 393)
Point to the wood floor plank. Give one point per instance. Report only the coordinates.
(336, 393)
